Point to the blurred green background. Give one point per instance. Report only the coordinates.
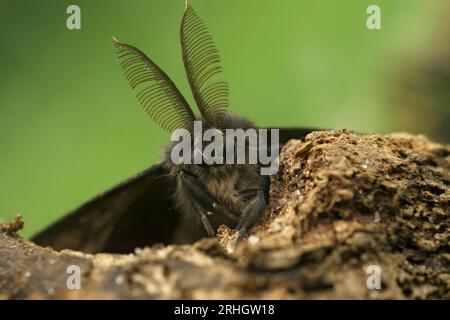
(70, 127)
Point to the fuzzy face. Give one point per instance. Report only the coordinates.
(222, 181)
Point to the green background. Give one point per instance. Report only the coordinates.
(70, 127)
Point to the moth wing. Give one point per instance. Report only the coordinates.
(135, 213)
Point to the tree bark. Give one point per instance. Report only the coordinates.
(347, 213)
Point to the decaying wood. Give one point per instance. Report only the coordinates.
(339, 204)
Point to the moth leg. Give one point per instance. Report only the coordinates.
(209, 229)
(247, 194)
(252, 214)
(202, 195)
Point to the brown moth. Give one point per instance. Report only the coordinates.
(172, 202)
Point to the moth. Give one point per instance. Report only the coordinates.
(172, 202)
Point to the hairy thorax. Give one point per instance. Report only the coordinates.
(223, 181)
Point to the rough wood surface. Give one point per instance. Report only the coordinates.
(340, 203)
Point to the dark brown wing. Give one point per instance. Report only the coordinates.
(135, 213)
(202, 63)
